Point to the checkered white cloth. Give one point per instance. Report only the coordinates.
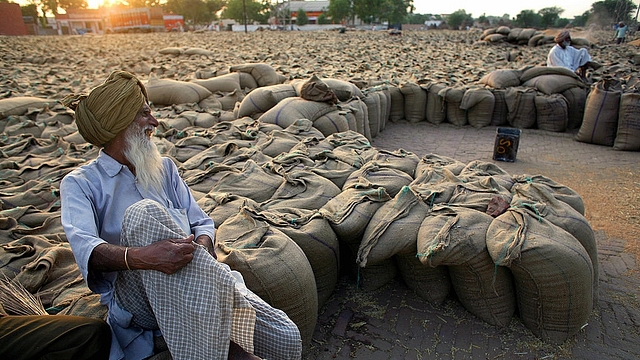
(203, 306)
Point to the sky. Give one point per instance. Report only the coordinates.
(500, 7)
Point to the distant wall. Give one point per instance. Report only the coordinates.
(11, 22)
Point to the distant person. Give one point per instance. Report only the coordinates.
(621, 33)
(565, 55)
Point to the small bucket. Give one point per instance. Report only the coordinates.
(506, 145)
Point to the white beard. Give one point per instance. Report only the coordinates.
(145, 157)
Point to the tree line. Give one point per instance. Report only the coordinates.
(195, 12)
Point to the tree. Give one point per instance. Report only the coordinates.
(549, 16)
(368, 10)
(301, 17)
(340, 10)
(581, 20)
(611, 11)
(323, 19)
(528, 18)
(396, 10)
(417, 18)
(256, 11)
(459, 18)
(194, 11)
(29, 10)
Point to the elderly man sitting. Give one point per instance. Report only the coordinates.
(565, 55)
(142, 243)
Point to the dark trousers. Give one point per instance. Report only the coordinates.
(53, 337)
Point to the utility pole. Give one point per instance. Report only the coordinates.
(244, 14)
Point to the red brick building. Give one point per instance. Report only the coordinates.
(11, 22)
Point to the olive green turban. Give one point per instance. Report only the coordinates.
(109, 108)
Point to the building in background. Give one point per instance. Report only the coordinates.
(11, 21)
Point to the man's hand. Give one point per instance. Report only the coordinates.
(167, 256)
(206, 241)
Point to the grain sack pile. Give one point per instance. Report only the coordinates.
(282, 155)
(310, 199)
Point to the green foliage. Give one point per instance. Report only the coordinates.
(550, 16)
(194, 11)
(29, 10)
(458, 19)
(256, 11)
(611, 11)
(417, 18)
(396, 10)
(323, 19)
(562, 22)
(301, 17)
(368, 10)
(528, 19)
(340, 10)
(581, 20)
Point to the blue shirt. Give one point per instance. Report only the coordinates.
(94, 198)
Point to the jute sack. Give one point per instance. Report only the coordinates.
(504, 30)
(277, 142)
(553, 84)
(502, 78)
(436, 111)
(559, 191)
(273, 267)
(393, 228)
(373, 109)
(525, 35)
(540, 199)
(478, 169)
(350, 211)
(264, 74)
(330, 167)
(203, 180)
(221, 206)
(396, 112)
(316, 239)
(628, 134)
(513, 35)
(521, 107)
(479, 104)
(478, 193)
(170, 92)
(302, 189)
(344, 90)
(290, 161)
(439, 161)
(500, 110)
(552, 272)
(223, 83)
(435, 185)
(333, 122)
(576, 100)
(455, 237)
(262, 99)
(415, 102)
(600, 122)
(535, 71)
(399, 159)
(392, 180)
(373, 277)
(253, 182)
(533, 41)
(361, 113)
(189, 146)
(453, 97)
(552, 112)
(385, 105)
(216, 153)
(24, 127)
(495, 38)
(429, 283)
(289, 110)
(20, 104)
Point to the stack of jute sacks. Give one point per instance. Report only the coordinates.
(524, 36)
(295, 201)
